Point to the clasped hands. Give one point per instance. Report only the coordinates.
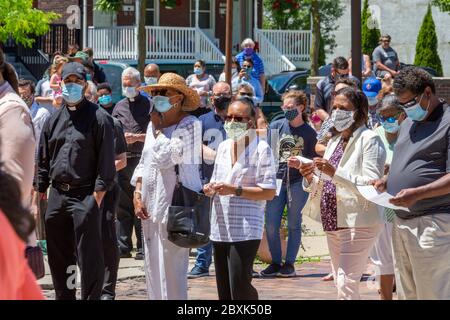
(220, 188)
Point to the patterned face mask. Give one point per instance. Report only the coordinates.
(235, 130)
(342, 119)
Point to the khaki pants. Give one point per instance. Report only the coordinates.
(422, 257)
(349, 251)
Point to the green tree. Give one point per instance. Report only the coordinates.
(19, 20)
(327, 13)
(370, 30)
(427, 45)
(444, 5)
(115, 6)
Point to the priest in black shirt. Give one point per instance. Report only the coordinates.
(133, 112)
(76, 160)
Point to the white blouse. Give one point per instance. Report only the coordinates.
(234, 218)
(179, 144)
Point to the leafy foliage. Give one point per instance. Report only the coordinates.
(444, 5)
(19, 20)
(330, 11)
(108, 5)
(370, 32)
(427, 45)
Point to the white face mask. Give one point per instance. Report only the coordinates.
(342, 119)
(129, 92)
(150, 80)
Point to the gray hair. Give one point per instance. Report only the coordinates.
(248, 41)
(390, 102)
(246, 86)
(132, 73)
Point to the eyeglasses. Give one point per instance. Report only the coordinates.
(386, 41)
(390, 119)
(236, 119)
(221, 95)
(410, 103)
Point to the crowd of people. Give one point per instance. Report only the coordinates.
(105, 170)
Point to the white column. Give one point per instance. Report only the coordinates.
(136, 17)
(255, 18)
(85, 24)
(197, 9)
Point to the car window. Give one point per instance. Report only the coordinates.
(278, 82)
(299, 81)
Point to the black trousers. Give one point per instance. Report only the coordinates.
(126, 218)
(109, 241)
(234, 264)
(73, 227)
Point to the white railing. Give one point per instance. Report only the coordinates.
(170, 43)
(274, 60)
(113, 43)
(294, 44)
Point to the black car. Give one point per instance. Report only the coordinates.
(278, 84)
(326, 70)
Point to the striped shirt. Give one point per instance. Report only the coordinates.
(233, 218)
(258, 65)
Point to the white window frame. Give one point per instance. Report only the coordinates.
(155, 11)
(212, 13)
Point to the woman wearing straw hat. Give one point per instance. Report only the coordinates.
(173, 138)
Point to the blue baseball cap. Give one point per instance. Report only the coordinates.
(371, 87)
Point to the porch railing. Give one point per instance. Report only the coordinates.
(173, 43)
(274, 60)
(294, 44)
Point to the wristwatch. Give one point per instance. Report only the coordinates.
(238, 191)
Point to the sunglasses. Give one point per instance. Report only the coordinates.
(388, 120)
(221, 95)
(410, 103)
(236, 119)
(246, 94)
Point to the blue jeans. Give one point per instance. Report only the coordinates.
(204, 257)
(274, 213)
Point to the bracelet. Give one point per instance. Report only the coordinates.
(138, 192)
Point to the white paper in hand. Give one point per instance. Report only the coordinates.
(381, 199)
(317, 172)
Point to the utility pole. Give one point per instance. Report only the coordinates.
(85, 24)
(228, 40)
(356, 39)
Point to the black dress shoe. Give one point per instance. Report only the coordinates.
(139, 256)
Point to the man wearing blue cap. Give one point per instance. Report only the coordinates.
(371, 88)
(76, 160)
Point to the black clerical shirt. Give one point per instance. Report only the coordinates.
(77, 148)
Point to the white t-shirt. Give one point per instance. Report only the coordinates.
(234, 218)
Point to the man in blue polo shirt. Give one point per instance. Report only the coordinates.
(213, 134)
(419, 179)
(248, 51)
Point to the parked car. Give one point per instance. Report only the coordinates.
(113, 71)
(278, 84)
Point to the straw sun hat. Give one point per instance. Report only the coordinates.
(173, 81)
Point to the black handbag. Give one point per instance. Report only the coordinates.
(188, 224)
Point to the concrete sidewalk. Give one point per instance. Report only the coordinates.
(314, 242)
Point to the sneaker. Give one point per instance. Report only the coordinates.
(271, 271)
(287, 271)
(196, 272)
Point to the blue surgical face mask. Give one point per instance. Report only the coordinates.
(162, 104)
(105, 100)
(291, 114)
(198, 71)
(72, 93)
(150, 80)
(416, 112)
(391, 127)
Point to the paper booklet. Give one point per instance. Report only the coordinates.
(381, 199)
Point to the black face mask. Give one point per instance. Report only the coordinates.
(222, 103)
